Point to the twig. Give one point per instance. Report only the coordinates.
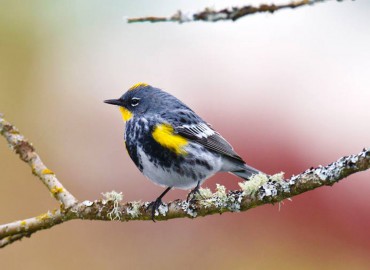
(24, 228)
(232, 13)
(27, 153)
(258, 191)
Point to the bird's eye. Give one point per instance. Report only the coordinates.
(135, 101)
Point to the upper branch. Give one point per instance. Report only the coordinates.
(233, 13)
(26, 152)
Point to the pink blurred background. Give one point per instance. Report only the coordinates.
(289, 90)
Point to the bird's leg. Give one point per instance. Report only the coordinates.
(155, 204)
(193, 193)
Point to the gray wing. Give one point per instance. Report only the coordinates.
(189, 125)
(203, 134)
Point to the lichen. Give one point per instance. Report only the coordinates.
(134, 209)
(188, 208)
(43, 217)
(87, 203)
(16, 138)
(252, 185)
(47, 171)
(334, 171)
(218, 199)
(33, 169)
(204, 193)
(24, 225)
(162, 210)
(234, 200)
(113, 196)
(191, 212)
(220, 196)
(277, 176)
(281, 203)
(56, 190)
(115, 214)
(267, 190)
(116, 198)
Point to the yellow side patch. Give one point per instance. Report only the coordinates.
(126, 114)
(140, 84)
(163, 134)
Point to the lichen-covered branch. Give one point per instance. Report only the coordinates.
(27, 153)
(232, 13)
(24, 228)
(261, 189)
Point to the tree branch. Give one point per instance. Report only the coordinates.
(233, 13)
(27, 153)
(260, 190)
(24, 228)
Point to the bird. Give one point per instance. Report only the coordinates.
(171, 145)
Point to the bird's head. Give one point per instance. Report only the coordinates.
(143, 99)
(136, 101)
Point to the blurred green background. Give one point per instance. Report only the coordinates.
(289, 90)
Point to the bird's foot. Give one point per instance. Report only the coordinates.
(157, 203)
(154, 207)
(192, 194)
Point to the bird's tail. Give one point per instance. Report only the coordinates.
(246, 172)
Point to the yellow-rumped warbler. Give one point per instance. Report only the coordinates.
(171, 144)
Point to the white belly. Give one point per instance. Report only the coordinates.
(170, 178)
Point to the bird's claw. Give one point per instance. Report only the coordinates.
(154, 206)
(192, 194)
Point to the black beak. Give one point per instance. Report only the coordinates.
(114, 102)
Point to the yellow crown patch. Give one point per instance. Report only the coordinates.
(137, 85)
